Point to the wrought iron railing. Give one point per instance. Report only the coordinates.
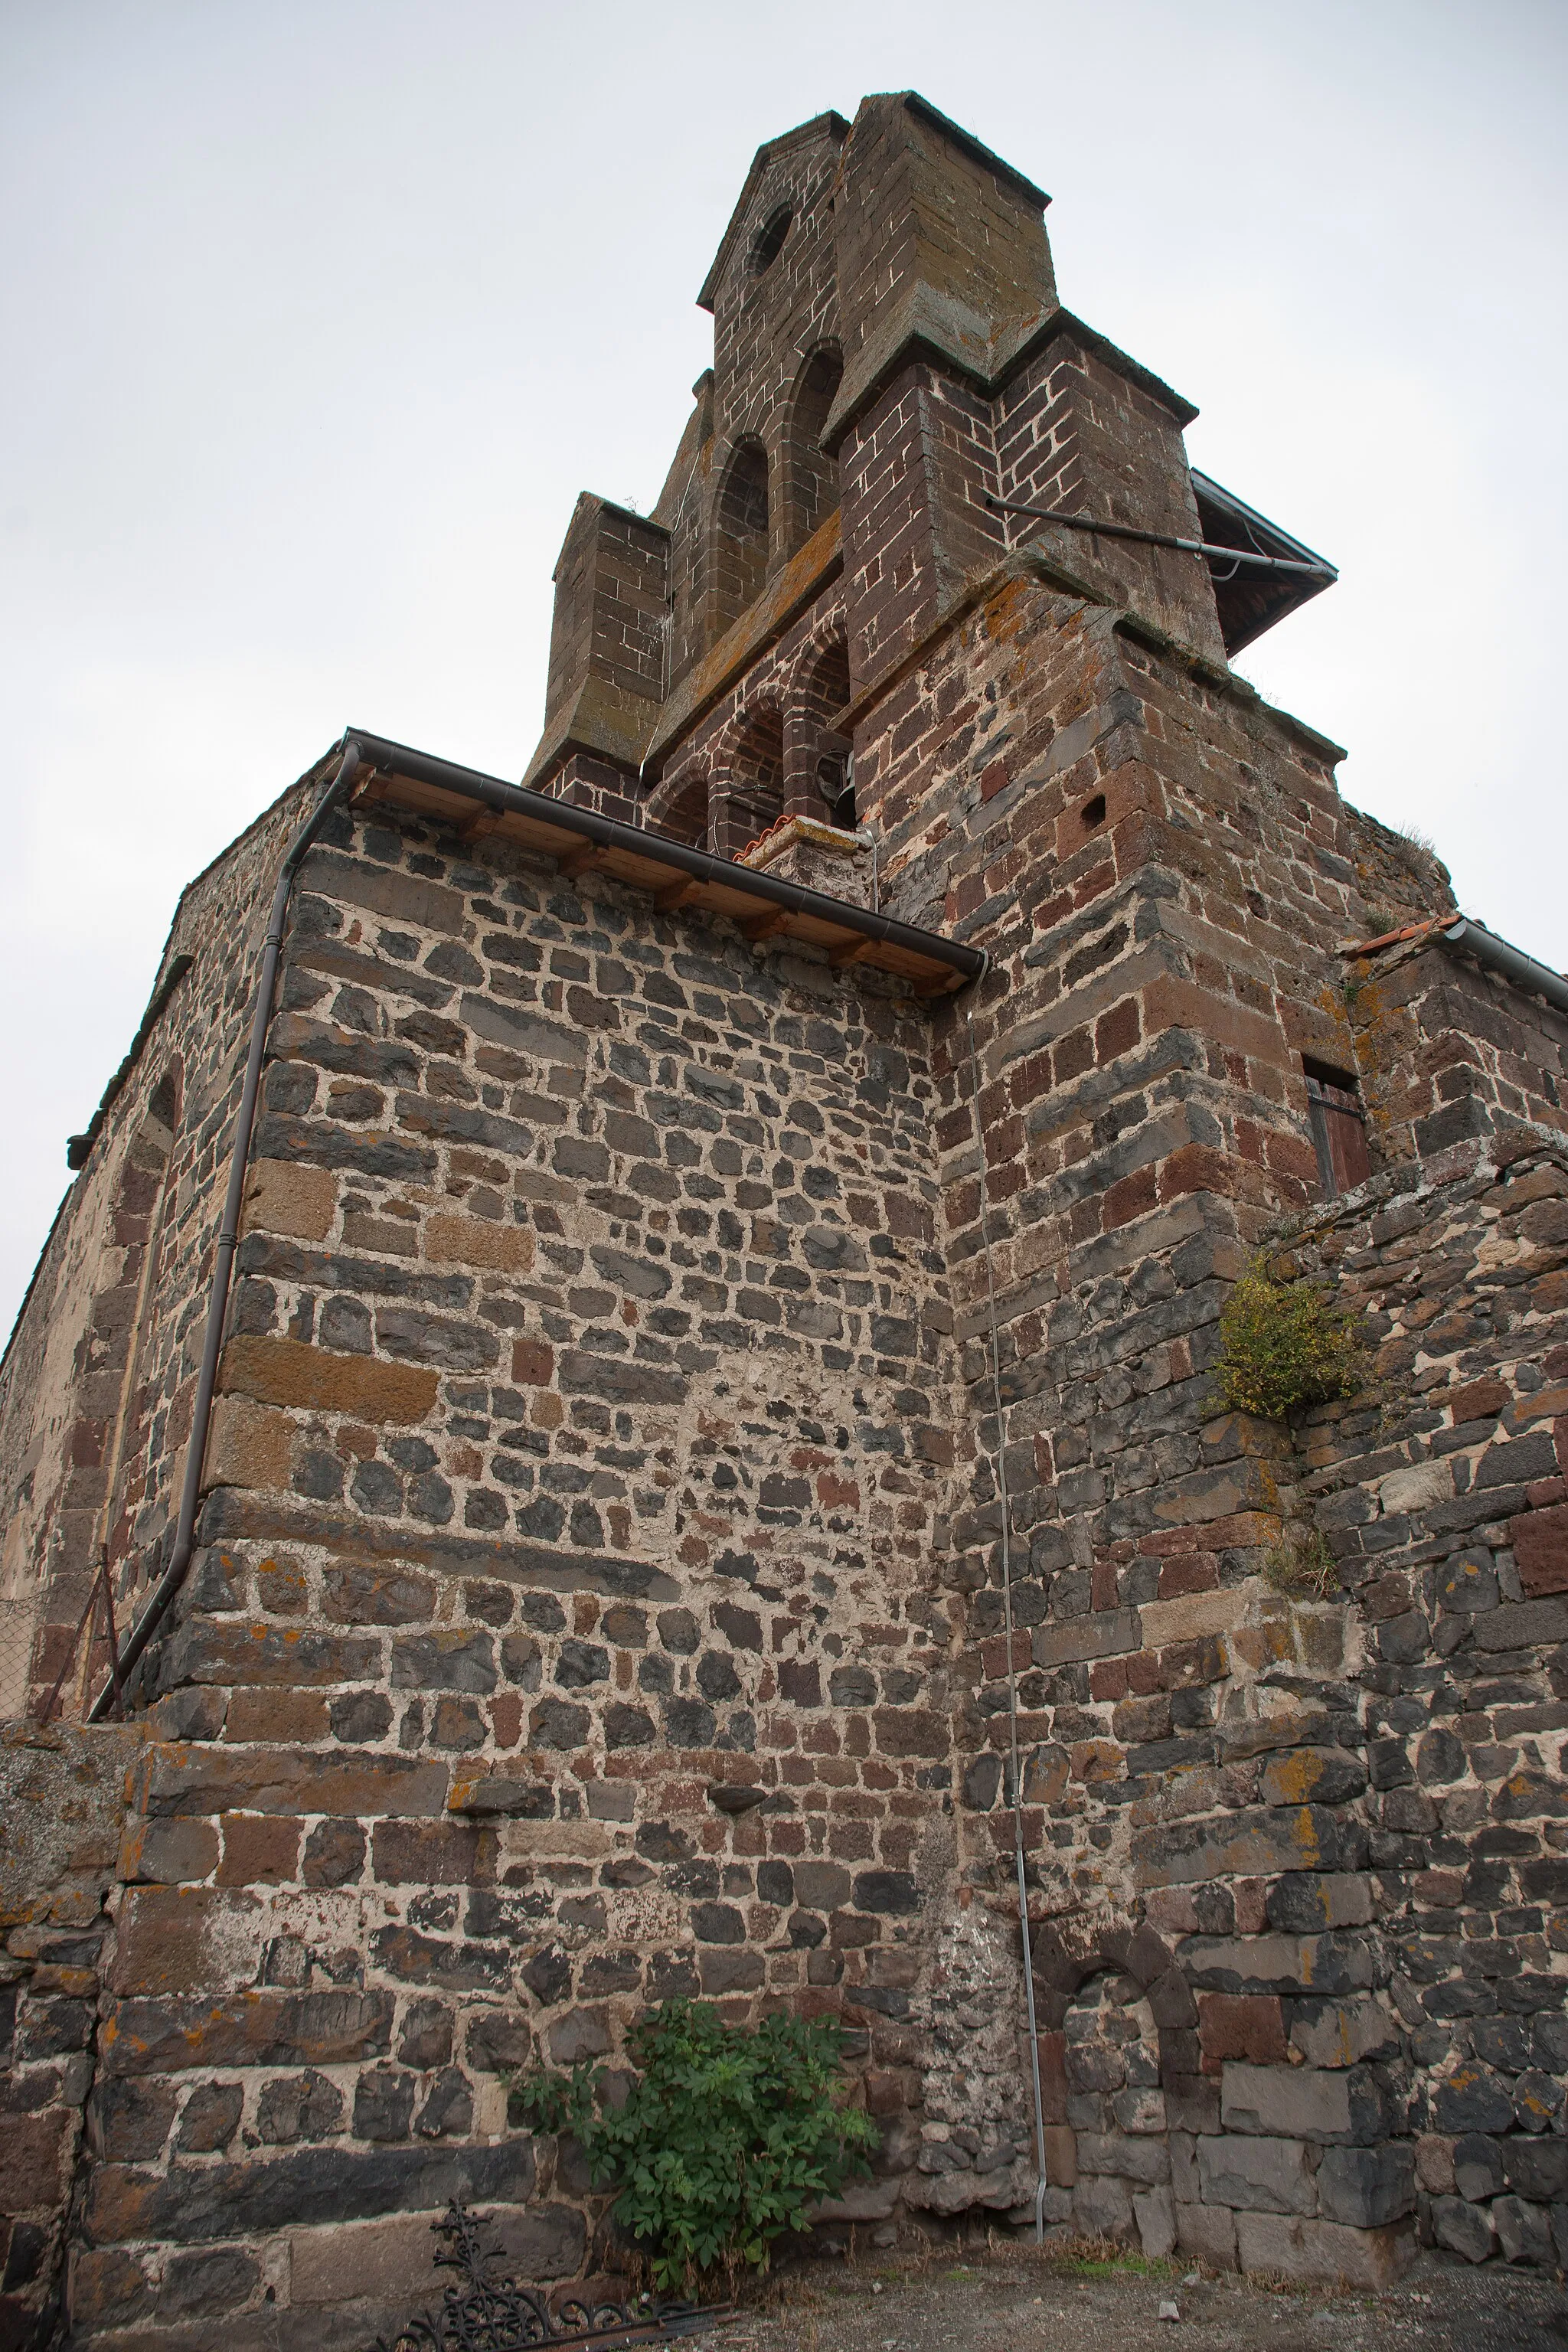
(481, 2312)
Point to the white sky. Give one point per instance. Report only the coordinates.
(317, 316)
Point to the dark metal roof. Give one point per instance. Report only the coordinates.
(1252, 601)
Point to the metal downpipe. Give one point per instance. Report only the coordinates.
(173, 1576)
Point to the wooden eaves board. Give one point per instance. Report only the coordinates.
(759, 917)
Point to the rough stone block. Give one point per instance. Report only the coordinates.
(1131, 2157)
(1255, 2174)
(1477, 2167)
(106, 2283)
(1523, 2233)
(1207, 2233)
(305, 2188)
(1540, 1540)
(1155, 2215)
(1465, 2229)
(288, 1372)
(248, 1445)
(282, 1197)
(168, 1852)
(1536, 2167)
(1339, 2032)
(1249, 2026)
(32, 2150)
(1365, 2187)
(1300, 2249)
(1102, 2207)
(187, 1939)
(1289, 2102)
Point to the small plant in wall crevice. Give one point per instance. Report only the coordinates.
(1286, 1345)
(1300, 1564)
(726, 2138)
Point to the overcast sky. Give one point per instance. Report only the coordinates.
(317, 317)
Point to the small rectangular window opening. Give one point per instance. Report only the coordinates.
(1339, 1127)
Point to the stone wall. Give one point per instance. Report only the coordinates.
(98, 1381)
(583, 1449)
(1441, 1496)
(62, 1791)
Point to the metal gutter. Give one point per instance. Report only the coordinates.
(173, 1576)
(1467, 938)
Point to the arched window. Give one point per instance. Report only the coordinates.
(678, 806)
(825, 690)
(754, 799)
(811, 486)
(740, 534)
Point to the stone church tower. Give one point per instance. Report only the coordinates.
(705, 1472)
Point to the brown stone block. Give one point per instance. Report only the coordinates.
(288, 1372)
(248, 1445)
(1188, 1572)
(200, 1780)
(363, 1595)
(1054, 2085)
(432, 1853)
(298, 1716)
(177, 1939)
(282, 1588)
(480, 1241)
(33, 2153)
(1540, 1540)
(108, 2285)
(1240, 1530)
(1474, 1400)
(911, 1731)
(532, 1362)
(258, 1848)
(1061, 2156)
(1241, 2025)
(280, 1198)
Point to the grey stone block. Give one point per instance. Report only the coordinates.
(1477, 2167)
(1465, 2229)
(1268, 2176)
(1156, 2218)
(1289, 2102)
(1102, 2207)
(1207, 2231)
(1134, 2158)
(1536, 2167)
(1365, 2187)
(1293, 2248)
(1524, 2231)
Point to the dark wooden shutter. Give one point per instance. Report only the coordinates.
(1338, 1137)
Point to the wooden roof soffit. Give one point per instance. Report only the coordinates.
(677, 877)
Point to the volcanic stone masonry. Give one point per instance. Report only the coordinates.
(657, 1277)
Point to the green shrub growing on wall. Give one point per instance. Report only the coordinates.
(726, 2138)
(1285, 1345)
